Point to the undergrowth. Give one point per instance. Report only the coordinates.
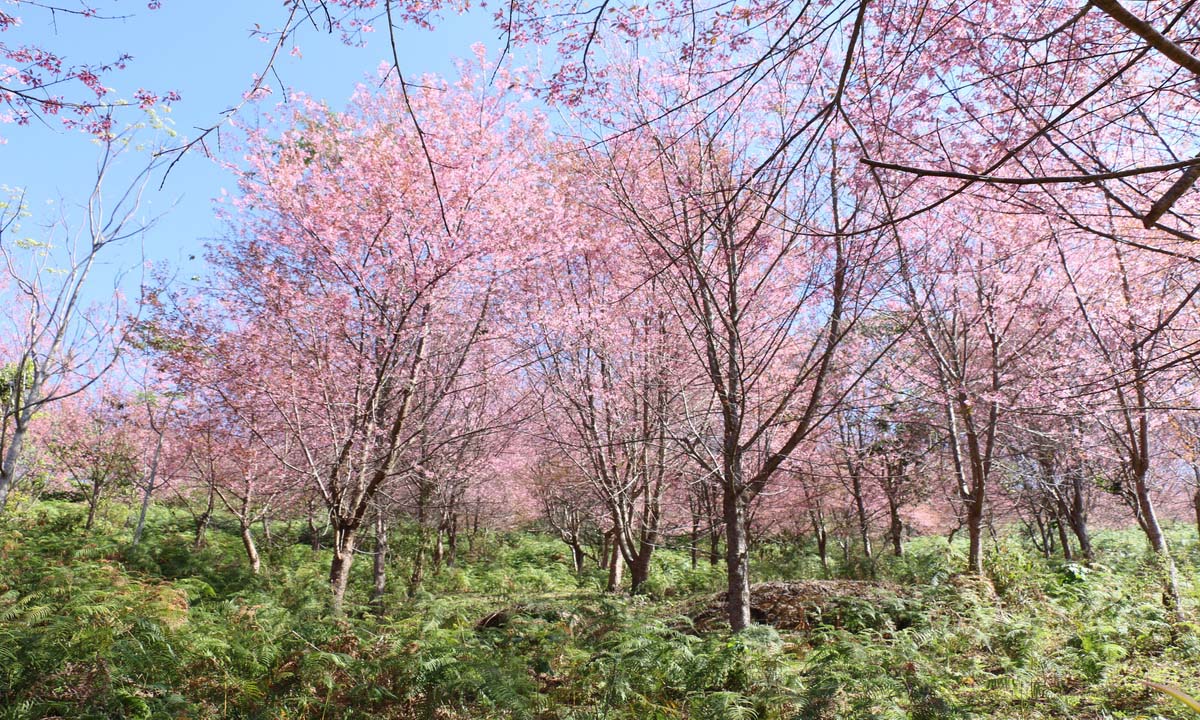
(92, 629)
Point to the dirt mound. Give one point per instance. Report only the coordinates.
(805, 605)
(974, 588)
(526, 611)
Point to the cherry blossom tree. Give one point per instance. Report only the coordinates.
(156, 418)
(984, 310)
(569, 507)
(604, 352)
(357, 293)
(93, 444)
(454, 455)
(223, 460)
(765, 275)
(1185, 446)
(37, 80)
(1126, 302)
(58, 341)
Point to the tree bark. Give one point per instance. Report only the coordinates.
(12, 453)
(1064, 540)
(439, 551)
(737, 561)
(616, 569)
(577, 556)
(314, 536)
(604, 558)
(379, 570)
(1196, 494)
(1158, 543)
(418, 570)
(251, 549)
(345, 540)
(424, 494)
(93, 504)
(150, 481)
(452, 541)
(1196, 504)
(639, 571)
(1077, 513)
(976, 500)
(860, 509)
(896, 529)
(821, 536)
(203, 521)
(695, 540)
(1042, 541)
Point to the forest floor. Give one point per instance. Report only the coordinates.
(92, 629)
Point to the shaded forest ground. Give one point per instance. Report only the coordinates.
(90, 629)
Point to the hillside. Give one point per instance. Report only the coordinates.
(93, 630)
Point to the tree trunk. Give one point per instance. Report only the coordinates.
(418, 570)
(822, 538)
(1196, 495)
(1196, 505)
(860, 508)
(141, 521)
(439, 551)
(577, 556)
(1064, 540)
(424, 493)
(93, 504)
(452, 541)
(203, 521)
(1148, 519)
(379, 572)
(344, 542)
(896, 529)
(8, 466)
(150, 481)
(251, 549)
(714, 547)
(1085, 540)
(616, 568)
(1042, 541)
(605, 554)
(975, 528)
(639, 569)
(1078, 517)
(971, 491)
(314, 536)
(737, 562)
(695, 539)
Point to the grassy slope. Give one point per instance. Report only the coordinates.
(89, 629)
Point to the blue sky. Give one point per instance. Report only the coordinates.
(203, 50)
